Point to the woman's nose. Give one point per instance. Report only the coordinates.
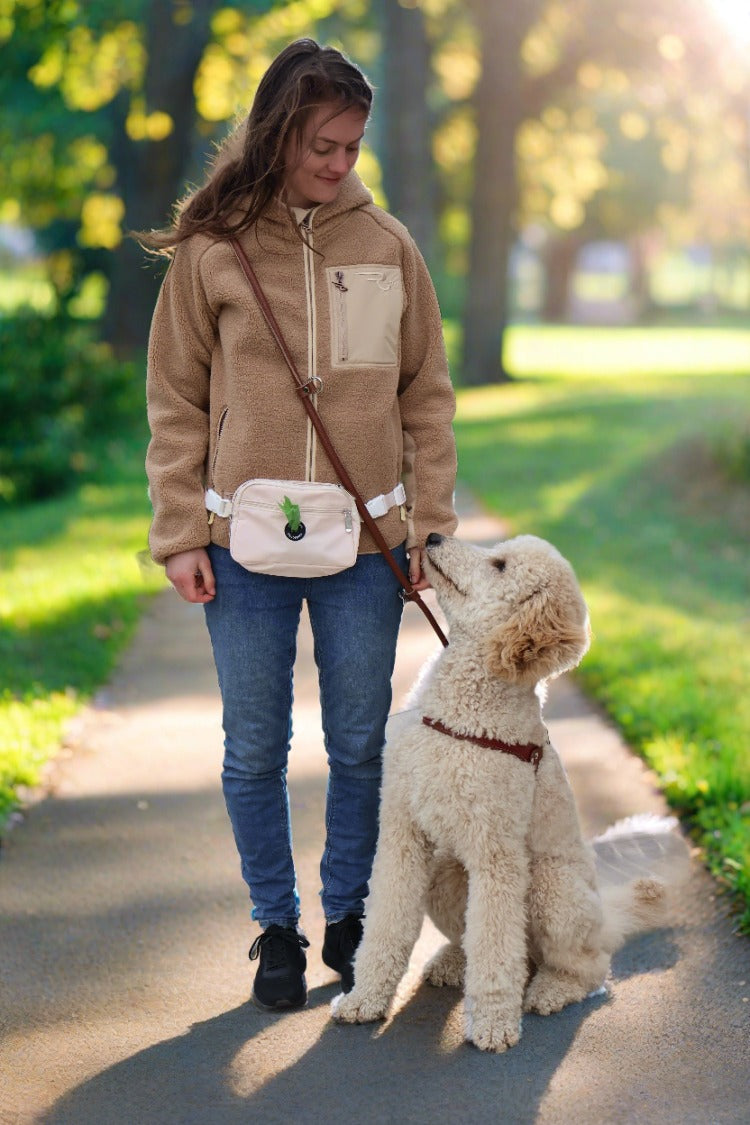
(338, 162)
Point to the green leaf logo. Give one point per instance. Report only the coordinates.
(291, 511)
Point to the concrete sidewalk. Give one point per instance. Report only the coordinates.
(124, 934)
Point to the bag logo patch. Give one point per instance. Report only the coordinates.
(297, 534)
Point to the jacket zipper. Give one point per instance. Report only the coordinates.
(309, 265)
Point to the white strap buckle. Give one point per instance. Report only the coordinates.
(217, 504)
(383, 503)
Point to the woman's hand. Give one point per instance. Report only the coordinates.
(191, 575)
(416, 574)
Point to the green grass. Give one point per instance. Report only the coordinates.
(620, 473)
(611, 352)
(598, 448)
(557, 349)
(71, 593)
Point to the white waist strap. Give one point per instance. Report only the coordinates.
(216, 503)
(378, 506)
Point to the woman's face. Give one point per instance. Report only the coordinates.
(328, 152)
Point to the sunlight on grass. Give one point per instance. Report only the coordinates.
(621, 473)
(571, 351)
(71, 596)
(618, 473)
(551, 350)
(563, 496)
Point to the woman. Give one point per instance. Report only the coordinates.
(356, 305)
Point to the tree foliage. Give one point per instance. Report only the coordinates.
(582, 118)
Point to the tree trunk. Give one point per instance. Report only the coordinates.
(559, 258)
(498, 104)
(640, 247)
(151, 175)
(408, 169)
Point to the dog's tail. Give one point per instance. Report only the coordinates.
(640, 863)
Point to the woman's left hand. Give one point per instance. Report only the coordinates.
(416, 574)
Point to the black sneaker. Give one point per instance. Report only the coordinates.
(339, 946)
(280, 979)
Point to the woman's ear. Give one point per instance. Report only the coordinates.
(544, 637)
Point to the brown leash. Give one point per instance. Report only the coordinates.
(306, 389)
(527, 751)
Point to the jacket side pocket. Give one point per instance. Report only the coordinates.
(219, 430)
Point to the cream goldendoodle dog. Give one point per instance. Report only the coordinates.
(478, 822)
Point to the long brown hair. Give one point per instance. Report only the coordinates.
(248, 170)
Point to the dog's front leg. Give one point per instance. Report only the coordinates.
(495, 946)
(395, 910)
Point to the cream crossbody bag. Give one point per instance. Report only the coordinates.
(298, 529)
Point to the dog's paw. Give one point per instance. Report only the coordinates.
(551, 990)
(355, 1007)
(492, 1029)
(447, 968)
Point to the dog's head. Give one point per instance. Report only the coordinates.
(518, 600)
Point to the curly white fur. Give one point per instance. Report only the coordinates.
(490, 848)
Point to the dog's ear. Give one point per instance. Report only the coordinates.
(544, 637)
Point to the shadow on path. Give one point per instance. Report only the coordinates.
(226, 1071)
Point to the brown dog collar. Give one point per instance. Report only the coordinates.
(526, 752)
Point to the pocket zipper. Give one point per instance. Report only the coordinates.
(343, 334)
(219, 429)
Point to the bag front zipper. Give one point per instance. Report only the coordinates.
(306, 509)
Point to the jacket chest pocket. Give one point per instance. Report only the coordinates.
(366, 305)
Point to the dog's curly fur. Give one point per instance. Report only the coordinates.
(491, 849)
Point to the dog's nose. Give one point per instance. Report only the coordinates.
(433, 539)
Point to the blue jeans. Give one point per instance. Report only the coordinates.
(253, 620)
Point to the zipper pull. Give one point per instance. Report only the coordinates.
(339, 282)
(347, 519)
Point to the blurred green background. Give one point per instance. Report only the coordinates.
(577, 175)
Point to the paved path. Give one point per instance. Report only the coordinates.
(124, 978)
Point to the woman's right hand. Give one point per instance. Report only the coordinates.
(191, 575)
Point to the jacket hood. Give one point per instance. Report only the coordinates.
(352, 195)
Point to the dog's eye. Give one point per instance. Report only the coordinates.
(499, 564)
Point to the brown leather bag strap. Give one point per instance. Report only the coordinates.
(306, 389)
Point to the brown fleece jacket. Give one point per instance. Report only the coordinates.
(359, 310)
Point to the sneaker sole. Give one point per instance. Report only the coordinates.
(280, 1005)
